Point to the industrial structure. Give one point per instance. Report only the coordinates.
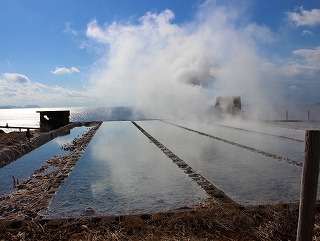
(51, 120)
(228, 105)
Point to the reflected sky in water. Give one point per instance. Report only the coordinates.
(283, 147)
(122, 172)
(23, 167)
(245, 176)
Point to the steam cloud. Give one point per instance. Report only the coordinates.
(177, 70)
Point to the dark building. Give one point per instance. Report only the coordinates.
(228, 105)
(50, 120)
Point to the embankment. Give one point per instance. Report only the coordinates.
(12, 153)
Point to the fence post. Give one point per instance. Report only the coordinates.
(309, 185)
(287, 115)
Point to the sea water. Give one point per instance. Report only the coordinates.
(28, 117)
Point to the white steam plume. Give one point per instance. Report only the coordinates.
(173, 70)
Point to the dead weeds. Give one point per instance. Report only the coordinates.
(213, 222)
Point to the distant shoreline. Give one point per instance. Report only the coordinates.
(18, 107)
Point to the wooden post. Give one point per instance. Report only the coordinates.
(309, 185)
(286, 115)
(308, 115)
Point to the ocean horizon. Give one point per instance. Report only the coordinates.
(29, 117)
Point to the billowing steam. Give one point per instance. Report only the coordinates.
(178, 70)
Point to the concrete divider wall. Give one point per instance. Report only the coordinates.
(13, 153)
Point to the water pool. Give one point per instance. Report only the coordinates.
(245, 176)
(23, 167)
(122, 172)
(282, 147)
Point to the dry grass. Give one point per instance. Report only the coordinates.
(11, 139)
(212, 222)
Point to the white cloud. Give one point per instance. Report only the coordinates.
(64, 70)
(307, 33)
(70, 93)
(18, 89)
(69, 30)
(17, 78)
(260, 33)
(96, 32)
(17, 86)
(293, 80)
(308, 62)
(178, 69)
(304, 65)
(302, 17)
(312, 56)
(294, 88)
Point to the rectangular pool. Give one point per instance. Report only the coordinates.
(122, 172)
(245, 176)
(24, 166)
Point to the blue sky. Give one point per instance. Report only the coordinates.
(157, 52)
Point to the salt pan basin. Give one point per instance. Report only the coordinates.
(122, 172)
(23, 167)
(245, 176)
(265, 142)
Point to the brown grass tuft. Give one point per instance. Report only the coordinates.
(212, 222)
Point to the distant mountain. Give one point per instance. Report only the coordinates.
(32, 106)
(18, 107)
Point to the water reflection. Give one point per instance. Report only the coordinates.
(23, 167)
(245, 176)
(122, 172)
(282, 147)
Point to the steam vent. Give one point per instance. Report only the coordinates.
(50, 120)
(228, 105)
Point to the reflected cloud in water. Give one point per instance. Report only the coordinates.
(122, 172)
